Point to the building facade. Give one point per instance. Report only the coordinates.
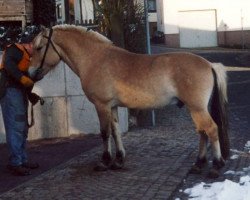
(74, 11)
(204, 23)
(16, 12)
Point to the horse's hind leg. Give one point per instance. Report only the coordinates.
(204, 123)
(201, 159)
(105, 117)
(120, 151)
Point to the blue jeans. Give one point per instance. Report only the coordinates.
(14, 110)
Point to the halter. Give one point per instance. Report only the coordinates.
(47, 47)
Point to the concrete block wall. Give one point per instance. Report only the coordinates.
(66, 110)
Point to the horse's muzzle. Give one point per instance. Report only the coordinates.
(35, 73)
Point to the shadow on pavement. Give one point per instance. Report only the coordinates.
(48, 153)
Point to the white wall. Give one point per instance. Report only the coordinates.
(87, 10)
(235, 14)
(152, 17)
(198, 34)
(61, 20)
(66, 111)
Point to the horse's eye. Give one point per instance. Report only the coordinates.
(39, 48)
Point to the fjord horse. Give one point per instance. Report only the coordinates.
(112, 77)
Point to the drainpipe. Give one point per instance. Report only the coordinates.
(147, 26)
(80, 3)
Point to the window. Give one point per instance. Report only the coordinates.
(151, 5)
(59, 11)
(71, 11)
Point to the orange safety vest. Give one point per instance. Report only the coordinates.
(24, 63)
(2, 61)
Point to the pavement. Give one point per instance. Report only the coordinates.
(158, 158)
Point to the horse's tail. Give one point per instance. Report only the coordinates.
(219, 107)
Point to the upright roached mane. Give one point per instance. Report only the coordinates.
(112, 77)
(92, 34)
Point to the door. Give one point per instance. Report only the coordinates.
(197, 28)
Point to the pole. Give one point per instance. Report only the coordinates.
(147, 26)
(242, 31)
(81, 18)
(148, 46)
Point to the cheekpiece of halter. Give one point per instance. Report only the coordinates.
(44, 55)
(47, 46)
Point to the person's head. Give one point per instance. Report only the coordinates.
(26, 41)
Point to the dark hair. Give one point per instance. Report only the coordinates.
(26, 38)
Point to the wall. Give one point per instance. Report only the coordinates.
(62, 19)
(87, 10)
(16, 10)
(66, 110)
(231, 17)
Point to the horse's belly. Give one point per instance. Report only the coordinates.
(145, 95)
(144, 100)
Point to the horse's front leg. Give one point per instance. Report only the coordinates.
(116, 133)
(105, 117)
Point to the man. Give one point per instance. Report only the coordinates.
(14, 104)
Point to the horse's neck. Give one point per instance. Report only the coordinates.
(69, 62)
(79, 58)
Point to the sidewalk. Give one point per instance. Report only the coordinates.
(49, 153)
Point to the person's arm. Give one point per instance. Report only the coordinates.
(13, 56)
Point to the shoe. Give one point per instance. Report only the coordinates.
(30, 165)
(18, 170)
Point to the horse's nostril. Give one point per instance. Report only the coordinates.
(32, 71)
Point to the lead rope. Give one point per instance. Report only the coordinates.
(32, 120)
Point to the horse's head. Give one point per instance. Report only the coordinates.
(46, 54)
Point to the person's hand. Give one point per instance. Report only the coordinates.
(26, 81)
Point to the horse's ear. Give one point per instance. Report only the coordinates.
(43, 29)
(38, 38)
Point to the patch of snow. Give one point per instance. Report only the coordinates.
(238, 173)
(247, 170)
(221, 190)
(230, 172)
(233, 157)
(247, 145)
(227, 189)
(236, 151)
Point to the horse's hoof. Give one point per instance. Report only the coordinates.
(105, 162)
(119, 161)
(100, 167)
(116, 166)
(218, 164)
(199, 164)
(213, 173)
(195, 170)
